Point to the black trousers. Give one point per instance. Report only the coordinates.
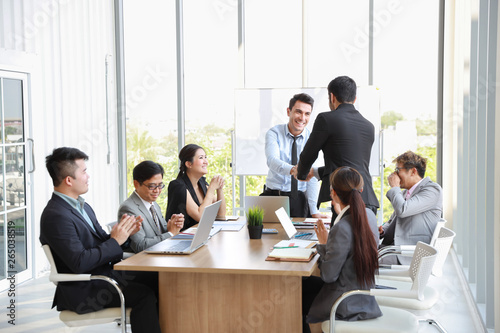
(311, 287)
(299, 207)
(140, 290)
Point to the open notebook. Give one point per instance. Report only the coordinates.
(177, 246)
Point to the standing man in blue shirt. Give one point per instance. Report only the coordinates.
(284, 143)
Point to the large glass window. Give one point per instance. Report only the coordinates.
(151, 86)
(399, 55)
(405, 69)
(337, 42)
(210, 78)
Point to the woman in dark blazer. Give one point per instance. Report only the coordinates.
(348, 256)
(190, 193)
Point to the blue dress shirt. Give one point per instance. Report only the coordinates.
(279, 142)
(78, 205)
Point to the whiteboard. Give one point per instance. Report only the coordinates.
(257, 110)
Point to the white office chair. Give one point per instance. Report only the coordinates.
(73, 319)
(407, 250)
(416, 295)
(442, 243)
(393, 320)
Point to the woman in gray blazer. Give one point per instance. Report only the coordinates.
(348, 256)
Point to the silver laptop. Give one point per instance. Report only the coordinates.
(290, 229)
(177, 246)
(269, 204)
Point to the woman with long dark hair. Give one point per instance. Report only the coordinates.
(348, 256)
(190, 193)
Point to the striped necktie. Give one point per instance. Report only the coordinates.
(155, 218)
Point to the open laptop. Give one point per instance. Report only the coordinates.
(270, 204)
(290, 229)
(177, 246)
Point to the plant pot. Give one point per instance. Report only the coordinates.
(255, 231)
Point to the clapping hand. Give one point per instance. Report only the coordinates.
(127, 226)
(175, 223)
(321, 232)
(217, 182)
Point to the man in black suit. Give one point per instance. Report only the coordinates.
(80, 246)
(346, 139)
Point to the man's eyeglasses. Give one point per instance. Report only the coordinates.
(153, 187)
(396, 169)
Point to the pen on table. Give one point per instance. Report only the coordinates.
(284, 247)
(304, 234)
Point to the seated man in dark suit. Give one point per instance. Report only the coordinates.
(148, 183)
(417, 209)
(80, 246)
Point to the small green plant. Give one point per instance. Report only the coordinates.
(255, 216)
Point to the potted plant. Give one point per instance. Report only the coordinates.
(255, 217)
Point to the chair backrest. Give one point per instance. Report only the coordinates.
(442, 245)
(421, 267)
(435, 234)
(53, 268)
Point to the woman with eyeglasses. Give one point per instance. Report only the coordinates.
(348, 256)
(190, 193)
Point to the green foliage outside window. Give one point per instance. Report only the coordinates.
(217, 144)
(424, 151)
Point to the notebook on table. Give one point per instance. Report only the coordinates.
(269, 204)
(290, 229)
(177, 246)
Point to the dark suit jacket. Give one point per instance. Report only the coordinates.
(177, 198)
(77, 249)
(346, 139)
(336, 264)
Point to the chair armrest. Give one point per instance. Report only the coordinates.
(339, 300)
(403, 250)
(388, 249)
(408, 247)
(394, 272)
(394, 267)
(60, 277)
(118, 290)
(394, 293)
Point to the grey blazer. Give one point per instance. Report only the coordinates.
(416, 217)
(336, 264)
(149, 234)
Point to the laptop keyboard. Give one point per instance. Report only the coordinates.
(309, 236)
(181, 246)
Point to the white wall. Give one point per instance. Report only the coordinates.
(63, 44)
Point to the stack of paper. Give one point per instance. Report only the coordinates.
(230, 225)
(310, 222)
(292, 254)
(300, 243)
(227, 218)
(189, 233)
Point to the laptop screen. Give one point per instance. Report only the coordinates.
(269, 204)
(286, 222)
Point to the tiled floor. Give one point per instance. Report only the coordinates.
(34, 299)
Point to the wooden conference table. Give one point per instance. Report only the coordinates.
(227, 286)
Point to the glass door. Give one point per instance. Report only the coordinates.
(15, 231)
